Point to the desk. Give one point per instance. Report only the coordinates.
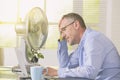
(7, 74)
(59, 79)
(67, 79)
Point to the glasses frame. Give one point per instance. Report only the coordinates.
(64, 28)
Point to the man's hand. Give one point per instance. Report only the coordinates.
(50, 72)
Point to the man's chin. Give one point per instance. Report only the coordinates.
(70, 43)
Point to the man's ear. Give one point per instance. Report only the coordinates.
(76, 25)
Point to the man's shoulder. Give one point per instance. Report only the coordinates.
(90, 33)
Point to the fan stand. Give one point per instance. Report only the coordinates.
(23, 69)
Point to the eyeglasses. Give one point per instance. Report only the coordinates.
(64, 28)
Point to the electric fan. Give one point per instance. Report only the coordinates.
(32, 35)
(37, 30)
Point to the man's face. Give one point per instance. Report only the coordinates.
(68, 31)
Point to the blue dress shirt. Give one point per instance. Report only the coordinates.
(95, 58)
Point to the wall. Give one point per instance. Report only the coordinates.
(115, 29)
(1, 57)
(110, 24)
(10, 58)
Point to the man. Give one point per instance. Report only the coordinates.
(95, 57)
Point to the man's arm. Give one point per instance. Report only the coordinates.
(92, 58)
(62, 57)
(62, 54)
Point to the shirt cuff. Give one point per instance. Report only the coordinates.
(62, 72)
(62, 44)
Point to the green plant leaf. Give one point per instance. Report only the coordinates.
(40, 56)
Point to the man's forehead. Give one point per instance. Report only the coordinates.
(65, 22)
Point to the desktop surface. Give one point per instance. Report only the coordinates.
(54, 78)
(67, 79)
(7, 74)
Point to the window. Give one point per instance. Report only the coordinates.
(16, 11)
(54, 13)
(8, 13)
(91, 13)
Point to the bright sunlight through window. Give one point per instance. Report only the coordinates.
(15, 11)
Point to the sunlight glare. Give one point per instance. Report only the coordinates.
(7, 36)
(8, 10)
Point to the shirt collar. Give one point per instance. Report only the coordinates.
(84, 35)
